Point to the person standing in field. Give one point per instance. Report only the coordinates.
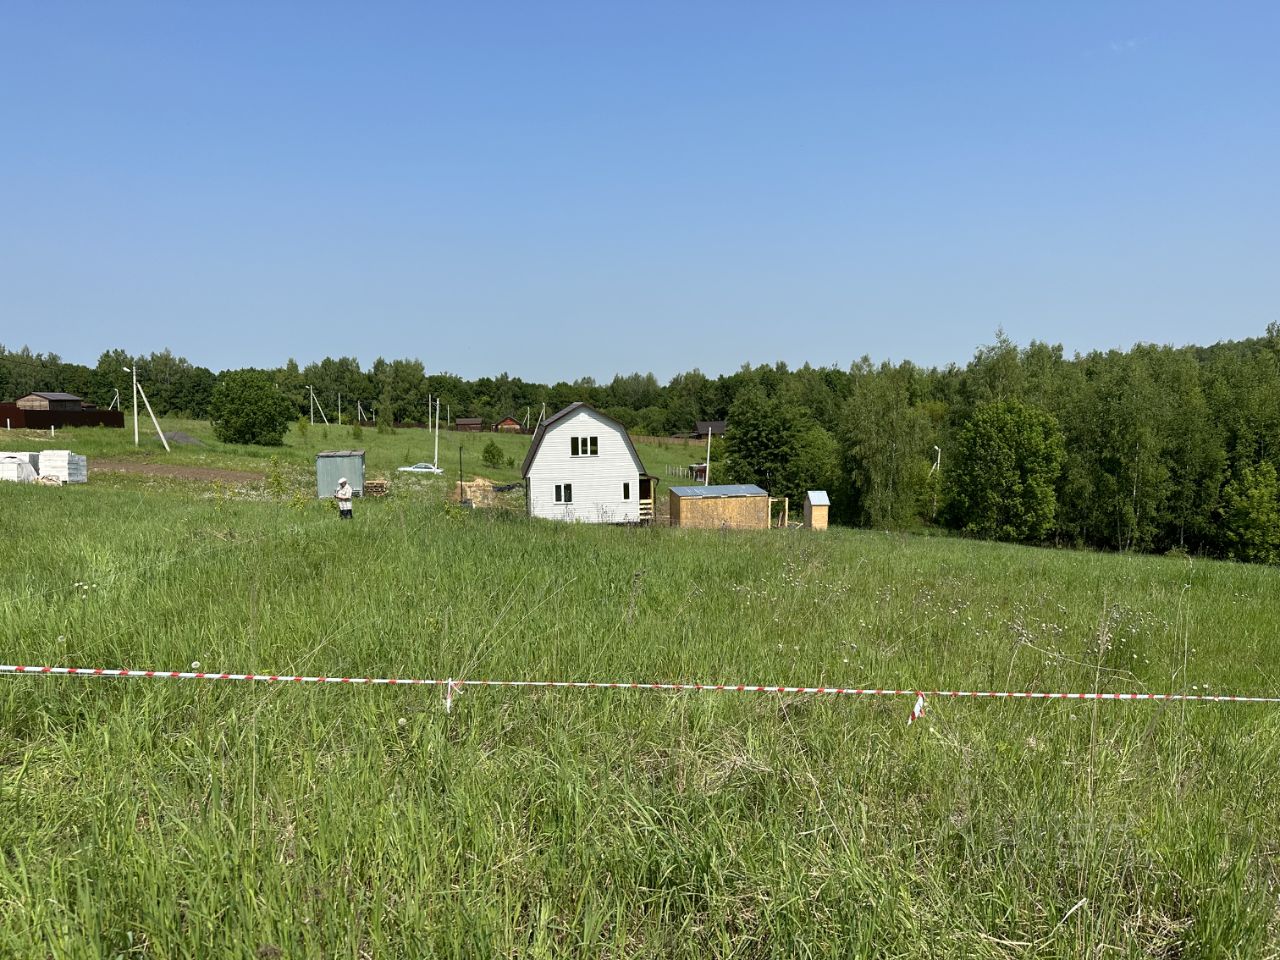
(343, 497)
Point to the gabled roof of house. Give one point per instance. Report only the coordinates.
(713, 427)
(560, 415)
(54, 396)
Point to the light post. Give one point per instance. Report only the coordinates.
(134, 370)
(151, 413)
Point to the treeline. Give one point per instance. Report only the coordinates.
(1153, 449)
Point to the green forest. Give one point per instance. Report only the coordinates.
(1153, 449)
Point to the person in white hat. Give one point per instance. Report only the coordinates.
(344, 499)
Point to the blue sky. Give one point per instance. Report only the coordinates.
(567, 189)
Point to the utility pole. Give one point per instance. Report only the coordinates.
(706, 473)
(154, 422)
(316, 403)
(137, 389)
(936, 468)
(339, 408)
(134, 371)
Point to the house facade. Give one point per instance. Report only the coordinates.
(583, 467)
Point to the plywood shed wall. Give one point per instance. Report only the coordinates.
(716, 508)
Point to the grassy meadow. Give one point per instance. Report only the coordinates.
(295, 460)
(189, 819)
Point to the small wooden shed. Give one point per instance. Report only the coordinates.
(816, 505)
(507, 425)
(733, 506)
(468, 424)
(333, 465)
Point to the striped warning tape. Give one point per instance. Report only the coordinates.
(452, 686)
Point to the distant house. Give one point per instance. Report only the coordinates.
(704, 427)
(507, 425)
(40, 411)
(50, 401)
(582, 466)
(469, 424)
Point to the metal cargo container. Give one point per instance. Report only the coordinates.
(332, 465)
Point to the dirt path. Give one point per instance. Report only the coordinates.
(181, 473)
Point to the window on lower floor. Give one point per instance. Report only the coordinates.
(626, 491)
(559, 493)
(568, 493)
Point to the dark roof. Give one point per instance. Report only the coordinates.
(54, 396)
(721, 490)
(714, 427)
(560, 415)
(468, 419)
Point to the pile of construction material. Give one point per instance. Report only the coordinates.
(48, 466)
(17, 469)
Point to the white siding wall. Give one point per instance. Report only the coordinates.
(597, 481)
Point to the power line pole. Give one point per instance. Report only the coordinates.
(134, 371)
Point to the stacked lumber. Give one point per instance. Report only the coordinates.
(65, 466)
(377, 488)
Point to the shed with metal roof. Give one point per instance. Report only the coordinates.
(50, 401)
(725, 506)
(333, 465)
(816, 505)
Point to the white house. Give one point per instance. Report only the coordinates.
(582, 466)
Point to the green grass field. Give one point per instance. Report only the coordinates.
(296, 458)
(197, 819)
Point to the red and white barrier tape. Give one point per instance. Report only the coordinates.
(452, 687)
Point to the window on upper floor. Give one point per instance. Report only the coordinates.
(584, 446)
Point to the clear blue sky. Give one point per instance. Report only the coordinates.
(565, 189)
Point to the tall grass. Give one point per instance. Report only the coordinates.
(196, 820)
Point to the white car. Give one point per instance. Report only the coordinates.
(421, 468)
